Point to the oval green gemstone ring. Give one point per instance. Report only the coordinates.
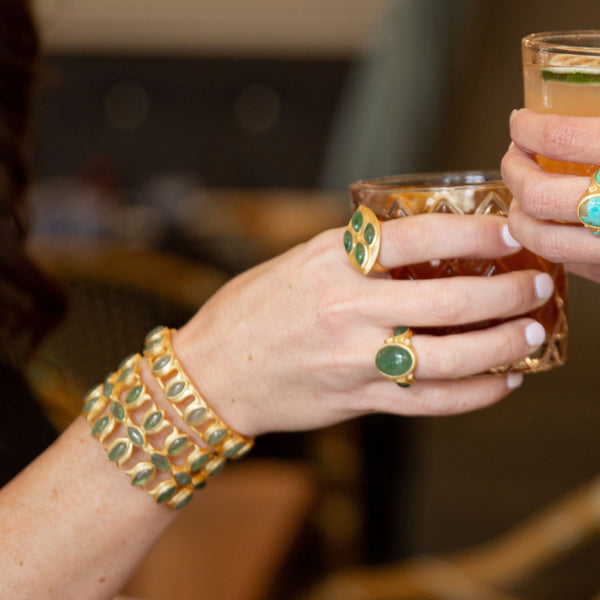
(396, 359)
(362, 241)
(588, 209)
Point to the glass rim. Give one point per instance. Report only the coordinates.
(555, 41)
(434, 181)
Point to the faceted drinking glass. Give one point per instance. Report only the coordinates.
(469, 193)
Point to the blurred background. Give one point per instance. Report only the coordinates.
(219, 133)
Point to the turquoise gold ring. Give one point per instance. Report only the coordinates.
(396, 358)
(588, 209)
(362, 241)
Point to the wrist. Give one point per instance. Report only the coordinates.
(206, 366)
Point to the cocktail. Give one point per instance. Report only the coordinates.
(470, 193)
(561, 72)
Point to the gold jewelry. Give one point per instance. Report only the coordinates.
(396, 358)
(588, 209)
(122, 406)
(187, 401)
(362, 241)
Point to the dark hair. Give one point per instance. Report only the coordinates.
(30, 302)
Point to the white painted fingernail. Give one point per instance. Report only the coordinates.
(535, 334)
(544, 285)
(514, 380)
(509, 240)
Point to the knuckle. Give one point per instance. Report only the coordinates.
(518, 290)
(443, 358)
(333, 313)
(414, 241)
(536, 198)
(450, 306)
(512, 345)
(551, 245)
(561, 138)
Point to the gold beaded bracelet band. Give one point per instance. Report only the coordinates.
(187, 401)
(126, 421)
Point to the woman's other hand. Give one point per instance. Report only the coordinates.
(543, 215)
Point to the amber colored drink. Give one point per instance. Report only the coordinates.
(469, 193)
(561, 75)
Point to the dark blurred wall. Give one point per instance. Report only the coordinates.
(485, 82)
(229, 122)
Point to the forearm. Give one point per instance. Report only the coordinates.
(72, 525)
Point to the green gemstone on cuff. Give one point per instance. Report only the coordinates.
(152, 344)
(117, 410)
(95, 390)
(125, 374)
(153, 421)
(164, 496)
(136, 436)
(177, 446)
(175, 389)
(216, 437)
(182, 478)
(400, 330)
(118, 450)
(233, 450)
(90, 404)
(143, 477)
(133, 394)
(126, 360)
(369, 233)
(154, 331)
(216, 469)
(108, 389)
(394, 360)
(100, 425)
(198, 463)
(183, 502)
(196, 416)
(160, 462)
(161, 362)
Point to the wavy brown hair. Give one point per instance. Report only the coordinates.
(30, 302)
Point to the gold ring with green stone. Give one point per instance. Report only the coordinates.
(362, 241)
(396, 358)
(588, 209)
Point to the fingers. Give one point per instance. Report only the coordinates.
(543, 214)
(446, 365)
(422, 238)
(466, 354)
(438, 398)
(455, 300)
(541, 195)
(573, 139)
(591, 272)
(556, 242)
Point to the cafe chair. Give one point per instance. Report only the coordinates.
(115, 294)
(487, 572)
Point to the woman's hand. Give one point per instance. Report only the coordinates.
(290, 344)
(543, 216)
